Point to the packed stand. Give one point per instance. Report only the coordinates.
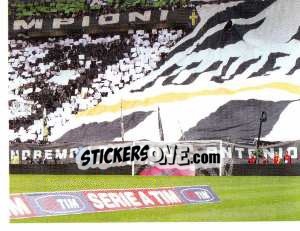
(66, 8)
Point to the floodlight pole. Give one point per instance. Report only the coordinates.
(263, 118)
(259, 134)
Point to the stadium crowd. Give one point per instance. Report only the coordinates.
(51, 79)
(262, 159)
(67, 8)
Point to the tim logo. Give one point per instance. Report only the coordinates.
(60, 204)
(197, 195)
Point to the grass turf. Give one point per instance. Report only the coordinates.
(242, 198)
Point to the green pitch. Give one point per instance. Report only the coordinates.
(242, 198)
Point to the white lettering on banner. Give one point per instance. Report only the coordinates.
(171, 196)
(95, 200)
(145, 199)
(122, 196)
(25, 154)
(227, 153)
(144, 17)
(57, 22)
(48, 154)
(240, 150)
(37, 154)
(156, 195)
(105, 19)
(271, 152)
(203, 195)
(163, 15)
(106, 200)
(14, 153)
(293, 152)
(132, 199)
(67, 204)
(34, 23)
(17, 207)
(108, 19)
(61, 154)
(280, 152)
(85, 21)
(113, 200)
(117, 200)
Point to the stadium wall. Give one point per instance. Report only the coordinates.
(266, 170)
(70, 168)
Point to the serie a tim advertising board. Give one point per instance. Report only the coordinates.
(106, 200)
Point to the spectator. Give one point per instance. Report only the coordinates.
(287, 158)
(252, 159)
(276, 159)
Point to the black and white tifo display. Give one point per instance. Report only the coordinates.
(242, 58)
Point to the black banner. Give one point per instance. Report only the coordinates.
(66, 152)
(149, 19)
